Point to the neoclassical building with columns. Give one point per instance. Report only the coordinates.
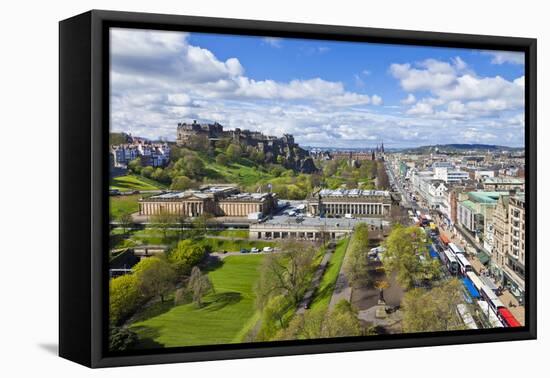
(356, 202)
(216, 200)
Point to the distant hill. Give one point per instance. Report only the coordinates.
(461, 147)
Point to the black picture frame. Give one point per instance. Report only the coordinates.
(83, 197)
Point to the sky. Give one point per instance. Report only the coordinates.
(325, 93)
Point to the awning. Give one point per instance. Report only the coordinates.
(483, 257)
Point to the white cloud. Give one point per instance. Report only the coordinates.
(502, 57)
(409, 100)
(159, 79)
(273, 42)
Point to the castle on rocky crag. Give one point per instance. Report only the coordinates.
(294, 156)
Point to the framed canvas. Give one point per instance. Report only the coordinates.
(234, 188)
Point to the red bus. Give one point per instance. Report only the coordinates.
(445, 240)
(507, 318)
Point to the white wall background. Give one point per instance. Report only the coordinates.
(29, 185)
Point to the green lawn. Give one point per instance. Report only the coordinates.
(218, 245)
(121, 204)
(231, 233)
(133, 182)
(226, 318)
(326, 287)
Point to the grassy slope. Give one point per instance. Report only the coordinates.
(133, 182)
(326, 287)
(226, 318)
(121, 204)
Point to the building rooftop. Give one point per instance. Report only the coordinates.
(485, 197)
(504, 180)
(352, 193)
(469, 204)
(285, 220)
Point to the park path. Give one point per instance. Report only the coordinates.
(342, 289)
(308, 296)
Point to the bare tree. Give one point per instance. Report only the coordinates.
(286, 273)
(199, 285)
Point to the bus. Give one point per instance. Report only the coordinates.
(507, 318)
(491, 316)
(450, 261)
(456, 249)
(474, 293)
(491, 298)
(464, 264)
(475, 280)
(466, 316)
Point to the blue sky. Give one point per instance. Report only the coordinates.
(326, 93)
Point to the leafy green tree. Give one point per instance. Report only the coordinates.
(200, 225)
(121, 339)
(234, 151)
(433, 310)
(155, 277)
(147, 171)
(340, 322)
(135, 165)
(199, 285)
(123, 297)
(356, 266)
(160, 175)
(404, 246)
(182, 183)
(186, 255)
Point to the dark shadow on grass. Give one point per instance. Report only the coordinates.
(221, 300)
(153, 310)
(147, 336)
(212, 263)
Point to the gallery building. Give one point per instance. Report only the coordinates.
(218, 200)
(356, 202)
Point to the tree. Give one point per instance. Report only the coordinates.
(356, 266)
(200, 225)
(433, 310)
(163, 220)
(222, 159)
(404, 248)
(160, 175)
(155, 277)
(199, 285)
(181, 183)
(123, 297)
(186, 255)
(233, 151)
(125, 221)
(121, 338)
(147, 171)
(342, 321)
(135, 165)
(382, 177)
(285, 273)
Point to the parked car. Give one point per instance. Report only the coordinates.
(268, 249)
(254, 250)
(244, 250)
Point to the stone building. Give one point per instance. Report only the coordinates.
(357, 202)
(514, 267)
(151, 154)
(218, 200)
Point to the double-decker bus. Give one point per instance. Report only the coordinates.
(463, 264)
(450, 261)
